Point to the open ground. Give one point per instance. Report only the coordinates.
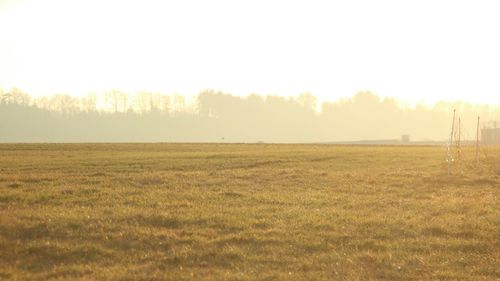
(246, 212)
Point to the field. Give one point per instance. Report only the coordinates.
(246, 212)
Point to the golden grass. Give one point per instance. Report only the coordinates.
(246, 212)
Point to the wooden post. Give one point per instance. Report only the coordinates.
(459, 147)
(450, 144)
(477, 142)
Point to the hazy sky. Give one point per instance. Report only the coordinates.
(414, 50)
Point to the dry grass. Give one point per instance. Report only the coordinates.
(245, 212)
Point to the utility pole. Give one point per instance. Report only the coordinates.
(450, 156)
(477, 142)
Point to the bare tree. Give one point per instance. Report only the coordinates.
(4, 97)
(178, 103)
(89, 102)
(308, 101)
(42, 102)
(162, 103)
(16, 95)
(124, 102)
(64, 103)
(116, 101)
(143, 102)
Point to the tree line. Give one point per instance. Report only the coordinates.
(214, 116)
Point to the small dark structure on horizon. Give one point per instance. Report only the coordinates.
(491, 134)
(405, 138)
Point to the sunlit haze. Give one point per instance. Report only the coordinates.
(413, 50)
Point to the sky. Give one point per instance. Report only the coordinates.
(422, 51)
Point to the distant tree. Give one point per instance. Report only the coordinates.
(116, 101)
(308, 101)
(366, 98)
(42, 102)
(143, 102)
(206, 102)
(178, 103)
(89, 102)
(64, 103)
(4, 97)
(17, 96)
(123, 102)
(162, 102)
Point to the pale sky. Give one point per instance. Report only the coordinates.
(424, 50)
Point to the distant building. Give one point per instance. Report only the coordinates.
(490, 136)
(405, 138)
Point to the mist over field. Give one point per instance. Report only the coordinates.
(214, 116)
(249, 140)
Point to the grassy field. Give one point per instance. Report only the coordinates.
(246, 212)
